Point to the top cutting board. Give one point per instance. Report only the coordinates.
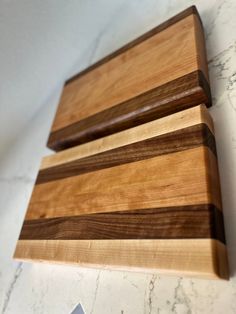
(160, 73)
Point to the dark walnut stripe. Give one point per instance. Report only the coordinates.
(137, 41)
(188, 222)
(182, 93)
(164, 144)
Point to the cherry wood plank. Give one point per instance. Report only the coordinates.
(188, 177)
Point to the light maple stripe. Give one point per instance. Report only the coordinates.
(198, 257)
(174, 122)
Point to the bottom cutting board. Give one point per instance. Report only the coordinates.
(146, 198)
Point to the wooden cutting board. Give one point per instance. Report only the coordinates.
(160, 73)
(146, 198)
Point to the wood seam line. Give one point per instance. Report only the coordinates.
(185, 222)
(163, 100)
(194, 257)
(166, 143)
(177, 121)
(140, 39)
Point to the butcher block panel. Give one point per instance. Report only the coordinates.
(146, 198)
(162, 72)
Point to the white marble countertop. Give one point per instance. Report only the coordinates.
(42, 288)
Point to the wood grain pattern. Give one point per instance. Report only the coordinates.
(169, 124)
(204, 258)
(177, 179)
(113, 96)
(190, 10)
(144, 198)
(185, 222)
(180, 140)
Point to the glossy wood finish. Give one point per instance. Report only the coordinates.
(151, 186)
(139, 83)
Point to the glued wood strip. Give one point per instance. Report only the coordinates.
(186, 222)
(147, 198)
(180, 140)
(141, 83)
(204, 258)
(188, 177)
(169, 124)
(177, 95)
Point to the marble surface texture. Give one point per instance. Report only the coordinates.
(42, 288)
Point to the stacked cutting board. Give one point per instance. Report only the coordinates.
(134, 183)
